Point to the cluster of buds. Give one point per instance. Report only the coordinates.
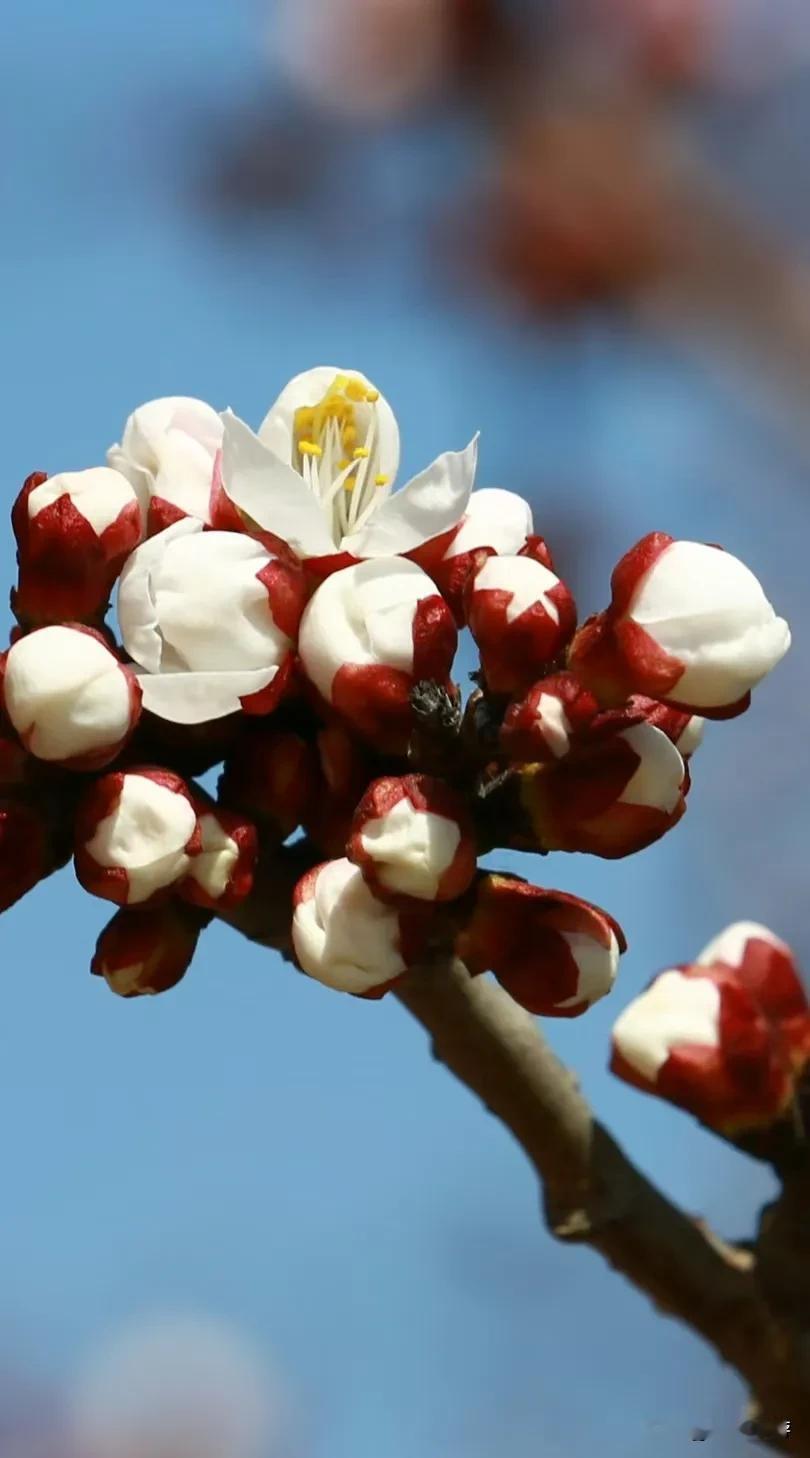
(283, 612)
(726, 1037)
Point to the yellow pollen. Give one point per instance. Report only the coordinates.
(334, 419)
(381, 480)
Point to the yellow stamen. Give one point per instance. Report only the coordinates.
(372, 396)
(381, 480)
(309, 448)
(361, 454)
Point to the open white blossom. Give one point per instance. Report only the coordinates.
(319, 474)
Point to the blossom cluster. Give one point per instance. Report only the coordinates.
(283, 612)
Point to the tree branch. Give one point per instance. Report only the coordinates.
(594, 1194)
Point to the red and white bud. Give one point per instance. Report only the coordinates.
(521, 616)
(348, 939)
(412, 836)
(496, 523)
(140, 953)
(699, 1038)
(368, 635)
(272, 778)
(765, 966)
(543, 726)
(554, 954)
(23, 851)
(613, 797)
(688, 624)
(69, 698)
(168, 453)
(211, 618)
(74, 532)
(136, 835)
(222, 874)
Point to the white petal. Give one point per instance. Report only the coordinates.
(213, 867)
(660, 775)
(267, 488)
(552, 721)
(343, 935)
(67, 692)
(729, 945)
(196, 698)
(100, 495)
(136, 607)
(597, 965)
(145, 834)
(411, 848)
(691, 737)
(308, 389)
(431, 503)
(362, 614)
(706, 608)
(527, 581)
(494, 518)
(674, 1011)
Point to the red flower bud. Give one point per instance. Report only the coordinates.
(136, 832)
(521, 616)
(412, 836)
(554, 954)
(143, 952)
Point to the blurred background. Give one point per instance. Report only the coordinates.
(251, 1219)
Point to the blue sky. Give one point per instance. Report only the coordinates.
(251, 1145)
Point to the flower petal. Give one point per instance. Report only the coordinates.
(308, 389)
(136, 616)
(269, 491)
(430, 503)
(197, 698)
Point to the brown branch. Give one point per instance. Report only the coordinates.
(593, 1194)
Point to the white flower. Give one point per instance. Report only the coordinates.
(412, 836)
(168, 453)
(68, 697)
(196, 610)
(659, 778)
(319, 475)
(100, 496)
(496, 519)
(343, 936)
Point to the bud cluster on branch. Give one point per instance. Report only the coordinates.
(284, 612)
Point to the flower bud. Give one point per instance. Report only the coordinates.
(541, 727)
(554, 954)
(23, 851)
(613, 797)
(688, 624)
(74, 532)
(495, 523)
(222, 874)
(271, 777)
(368, 635)
(765, 966)
(136, 834)
(698, 1037)
(348, 939)
(68, 697)
(211, 618)
(413, 837)
(140, 953)
(168, 453)
(521, 616)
